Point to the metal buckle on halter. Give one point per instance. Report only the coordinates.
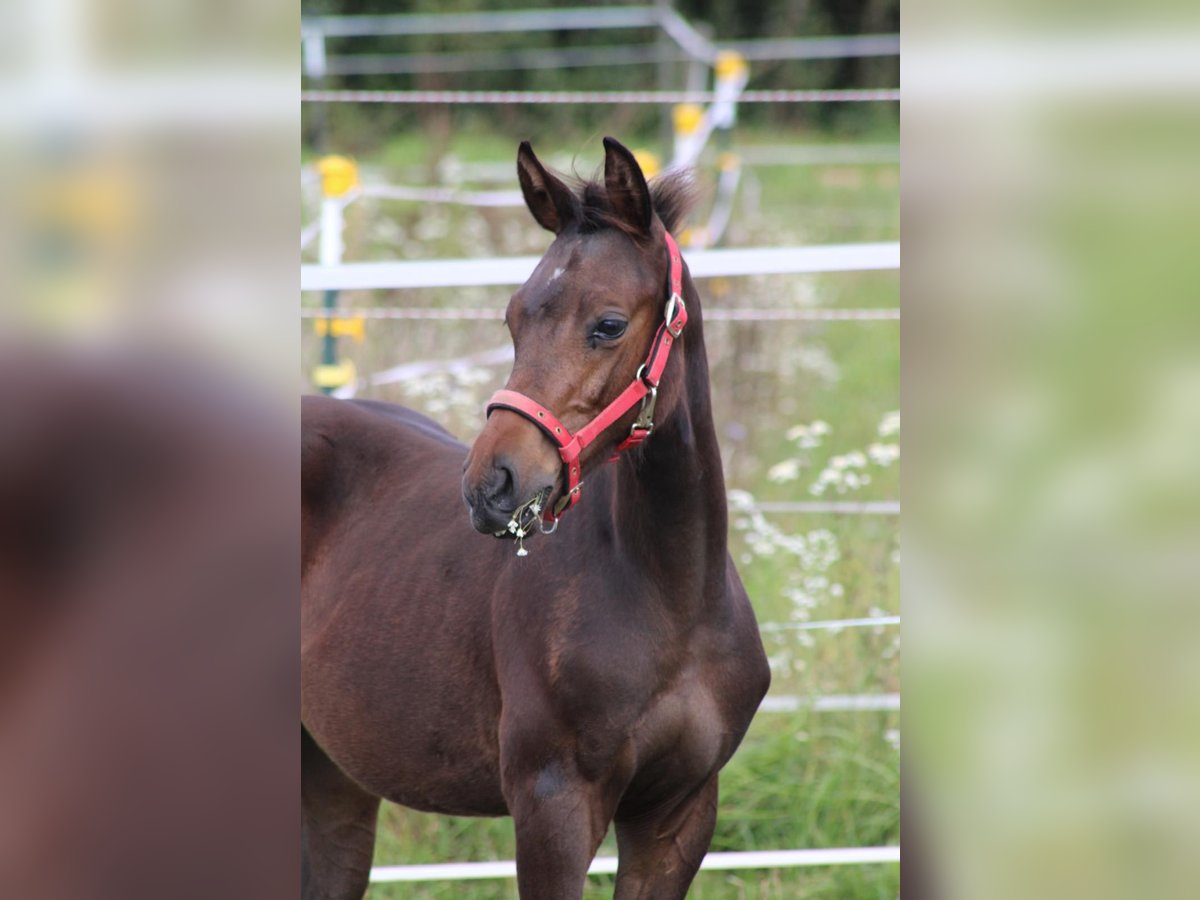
(674, 304)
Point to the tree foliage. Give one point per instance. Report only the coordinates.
(723, 20)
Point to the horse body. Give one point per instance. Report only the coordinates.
(605, 677)
(402, 623)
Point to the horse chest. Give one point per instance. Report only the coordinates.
(652, 703)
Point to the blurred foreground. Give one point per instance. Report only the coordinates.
(148, 681)
(1052, 404)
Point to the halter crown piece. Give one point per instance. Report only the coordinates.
(643, 389)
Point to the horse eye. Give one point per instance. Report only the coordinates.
(609, 329)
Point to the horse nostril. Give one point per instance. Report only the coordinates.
(503, 482)
(498, 486)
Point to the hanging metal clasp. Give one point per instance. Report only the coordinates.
(645, 417)
(645, 420)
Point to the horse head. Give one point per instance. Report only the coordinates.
(603, 300)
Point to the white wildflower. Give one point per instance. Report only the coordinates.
(807, 437)
(740, 499)
(883, 454)
(890, 424)
(788, 470)
(815, 360)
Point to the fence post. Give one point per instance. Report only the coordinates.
(731, 74)
(312, 42)
(339, 176)
(689, 118)
(663, 44)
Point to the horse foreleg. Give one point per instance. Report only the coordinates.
(337, 829)
(560, 821)
(660, 852)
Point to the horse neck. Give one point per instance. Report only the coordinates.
(669, 501)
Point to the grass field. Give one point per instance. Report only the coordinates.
(805, 411)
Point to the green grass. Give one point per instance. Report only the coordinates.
(800, 780)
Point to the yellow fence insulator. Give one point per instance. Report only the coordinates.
(333, 376)
(339, 174)
(688, 117)
(353, 328)
(729, 65)
(649, 161)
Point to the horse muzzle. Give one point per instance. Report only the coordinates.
(491, 499)
(496, 496)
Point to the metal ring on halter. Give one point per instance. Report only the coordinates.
(544, 530)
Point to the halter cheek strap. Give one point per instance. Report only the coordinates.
(643, 389)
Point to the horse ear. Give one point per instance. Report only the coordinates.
(626, 185)
(549, 200)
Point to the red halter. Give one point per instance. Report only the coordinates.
(643, 389)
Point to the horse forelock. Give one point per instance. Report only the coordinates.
(672, 194)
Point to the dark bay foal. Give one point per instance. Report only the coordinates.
(605, 677)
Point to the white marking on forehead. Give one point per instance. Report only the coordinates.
(557, 272)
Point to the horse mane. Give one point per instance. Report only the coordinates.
(672, 194)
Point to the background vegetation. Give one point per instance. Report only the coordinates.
(723, 20)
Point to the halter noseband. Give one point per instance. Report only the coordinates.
(643, 389)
